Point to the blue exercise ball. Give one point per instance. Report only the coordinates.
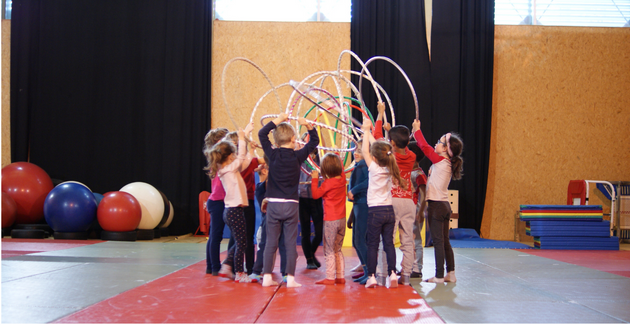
(70, 207)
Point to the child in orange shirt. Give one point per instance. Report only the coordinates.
(333, 192)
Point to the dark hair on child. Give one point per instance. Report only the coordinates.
(399, 134)
(384, 157)
(331, 165)
(457, 162)
(218, 155)
(413, 146)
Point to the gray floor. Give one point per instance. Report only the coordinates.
(494, 285)
(508, 286)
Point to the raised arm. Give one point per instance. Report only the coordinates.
(367, 140)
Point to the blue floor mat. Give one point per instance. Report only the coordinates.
(486, 243)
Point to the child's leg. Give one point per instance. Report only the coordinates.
(417, 228)
(373, 235)
(448, 250)
(405, 212)
(330, 234)
(360, 229)
(290, 229)
(317, 215)
(437, 211)
(260, 254)
(304, 215)
(340, 263)
(388, 239)
(250, 222)
(235, 219)
(216, 234)
(273, 228)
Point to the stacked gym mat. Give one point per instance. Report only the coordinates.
(568, 227)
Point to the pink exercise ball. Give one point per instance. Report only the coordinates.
(28, 185)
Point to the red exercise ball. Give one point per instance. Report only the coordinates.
(28, 185)
(119, 211)
(9, 210)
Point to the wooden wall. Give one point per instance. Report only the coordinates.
(6, 86)
(284, 51)
(561, 111)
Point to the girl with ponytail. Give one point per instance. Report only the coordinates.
(383, 172)
(447, 165)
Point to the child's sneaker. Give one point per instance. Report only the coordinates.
(226, 271)
(392, 280)
(256, 277)
(242, 277)
(403, 279)
(371, 282)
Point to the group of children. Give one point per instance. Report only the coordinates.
(386, 188)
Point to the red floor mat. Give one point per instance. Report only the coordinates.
(191, 296)
(18, 246)
(616, 262)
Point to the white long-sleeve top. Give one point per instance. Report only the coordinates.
(233, 183)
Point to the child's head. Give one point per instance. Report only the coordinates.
(232, 136)
(284, 134)
(213, 136)
(331, 165)
(383, 155)
(455, 147)
(218, 155)
(399, 136)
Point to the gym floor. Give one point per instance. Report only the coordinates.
(164, 280)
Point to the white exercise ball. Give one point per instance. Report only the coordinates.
(170, 216)
(150, 201)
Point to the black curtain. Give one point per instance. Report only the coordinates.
(455, 87)
(113, 92)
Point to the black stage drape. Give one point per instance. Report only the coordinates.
(454, 88)
(113, 92)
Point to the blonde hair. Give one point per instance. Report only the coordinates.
(212, 137)
(384, 156)
(232, 136)
(331, 165)
(217, 155)
(283, 134)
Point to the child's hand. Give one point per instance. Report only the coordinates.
(263, 206)
(241, 134)
(249, 128)
(387, 126)
(415, 126)
(303, 121)
(314, 175)
(367, 125)
(350, 196)
(381, 108)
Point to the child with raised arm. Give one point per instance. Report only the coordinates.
(382, 169)
(402, 198)
(447, 165)
(215, 207)
(357, 193)
(333, 192)
(282, 191)
(225, 164)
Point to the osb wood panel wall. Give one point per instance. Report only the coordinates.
(561, 111)
(284, 51)
(6, 86)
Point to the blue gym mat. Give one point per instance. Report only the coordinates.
(581, 243)
(468, 238)
(565, 228)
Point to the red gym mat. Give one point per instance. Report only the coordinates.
(191, 296)
(349, 303)
(616, 262)
(18, 246)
